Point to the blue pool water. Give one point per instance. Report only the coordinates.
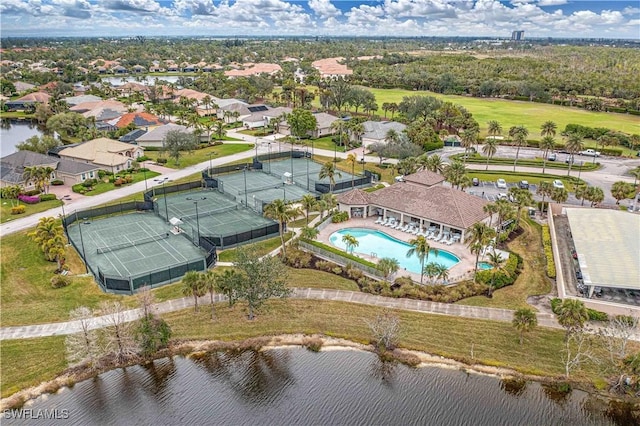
(484, 265)
(372, 241)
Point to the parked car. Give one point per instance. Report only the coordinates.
(523, 184)
(501, 184)
(569, 159)
(502, 196)
(553, 157)
(475, 182)
(578, 274)
(590, 153)
(557, 183)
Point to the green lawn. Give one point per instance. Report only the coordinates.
(5, 209)
(494, 343)
(533, 279)
(103, 187)
(303, 221)
(387, 174)
(202, 155)
(26, 294)
(261, 247)
(514, 113)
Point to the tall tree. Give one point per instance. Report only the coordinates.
(350, 241)
(118, 335)
(193, 285)
(82, 347)
(622, 190)
(257, 280)
(546, 144)
(521, 198)
(301, 121)
(420, 247)
(524, 320)
(455, 173)
(282, 213)
(494, 129)
(497, 263)
(352, 160)
(548, 128)
(518, 135)
(573, 145)
(544, 189)
(489, 149)
(594, 195)
(308, 203)
(176, 141)
(478, 237)
(329, 171)
(388, 266)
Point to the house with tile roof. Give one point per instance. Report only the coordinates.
(323, 125)
(432, 206)
(28, 102)
(376, 131)
(263, 117)
(156, 136)
(70, 172)
(138, 119)
(107, 154)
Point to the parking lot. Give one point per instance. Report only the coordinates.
(489, 190)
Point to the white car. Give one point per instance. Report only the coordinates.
(501, 184)
(558, 184)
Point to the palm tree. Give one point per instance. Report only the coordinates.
(548, 128)
(546, 144)
(309, 233)
(388, 266)
(572, 314)
(281, 212)
(519, 136)
(329, 170)
(545, 189)
(308, 203)
(212, 285)
(594, 194)
(494, 128)
(49, 235)
(338, 126)
(497, 265)
(350, 241)
(442, 272)
(580, 192)
(492, 209)
(35, 175)
(621, 190)
(521, 198)
(420, 247)
(489, 149)
(524, 320)
(469, 137)
(573, 145)
(193, 284)
(455, 172)
(392, 136)
(434, 164)
(352, 160)
(478, 237)
(559, 195)
(218, 127)
(431, 271)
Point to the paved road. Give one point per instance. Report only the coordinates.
(70, 327)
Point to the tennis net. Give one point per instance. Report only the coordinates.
(210, 212)
(150, 239)
(262, 188)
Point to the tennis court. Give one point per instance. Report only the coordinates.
(261, 186)
(135, 249)
(301, 168)
(218, 216)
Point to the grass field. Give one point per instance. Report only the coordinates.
(515, 113)
(26, 294)
(28, 362)
(261, 247)
(103, 187)
(201, 155)
(5, 209)
(387, 174)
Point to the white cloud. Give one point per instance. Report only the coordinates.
(324, 8)
(552, 2)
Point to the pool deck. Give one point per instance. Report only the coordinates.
(461, 271)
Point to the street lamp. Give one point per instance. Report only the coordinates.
(244, 172)
(64, 223)
(84, 255)
(211, 154)
(163, 181)
(144, 173)
(269, 158)
(197, 218)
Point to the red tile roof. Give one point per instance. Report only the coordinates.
(139, 119)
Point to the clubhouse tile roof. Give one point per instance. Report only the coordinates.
(425, 178)
(355, 197)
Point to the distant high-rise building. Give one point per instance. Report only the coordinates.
(517, 35)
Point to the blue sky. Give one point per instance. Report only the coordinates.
(539, 18)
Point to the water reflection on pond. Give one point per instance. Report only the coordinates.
(295, 386)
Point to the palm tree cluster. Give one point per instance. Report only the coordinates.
(49, 235)
(40, 176)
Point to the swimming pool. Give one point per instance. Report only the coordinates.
(484, 266)
(375, 243)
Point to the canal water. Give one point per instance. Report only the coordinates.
(293, 386)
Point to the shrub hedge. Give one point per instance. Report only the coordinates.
(338, 217)
(47, 197)
(18, 209)
(57, 182)
(594, 315)
(503, 278)
(548, 252)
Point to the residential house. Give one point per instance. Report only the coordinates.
(323, 125)
(261, 117)
(155, 137)
(138, 119)
(28, 102)
(376, 131)
(107, 154)
(228, 107)
(331, 68)
(70, 172)
(254, 69)
(77, 100)
(138, 69)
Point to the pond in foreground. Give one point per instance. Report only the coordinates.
(295, 386)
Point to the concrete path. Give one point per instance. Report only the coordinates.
(70, 327)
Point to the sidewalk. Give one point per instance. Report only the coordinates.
(494, 314)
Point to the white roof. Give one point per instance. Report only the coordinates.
(608, 246)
